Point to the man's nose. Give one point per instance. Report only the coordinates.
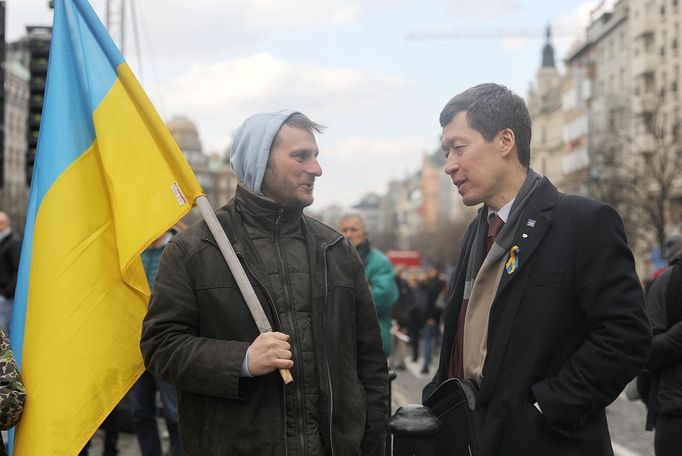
(314, 168)
(451, 165)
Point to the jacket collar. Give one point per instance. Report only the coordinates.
(264, 214)
(232, 222)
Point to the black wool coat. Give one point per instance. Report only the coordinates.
(567, 329)
(10, 250)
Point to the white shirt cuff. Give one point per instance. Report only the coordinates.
(245, 366)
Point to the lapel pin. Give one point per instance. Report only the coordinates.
(531, 223)
(524, 235)
(513, 261)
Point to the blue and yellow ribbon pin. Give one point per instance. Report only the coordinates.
(513, 261)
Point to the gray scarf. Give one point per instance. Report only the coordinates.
(483, 278)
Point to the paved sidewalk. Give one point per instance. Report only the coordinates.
(626, 418)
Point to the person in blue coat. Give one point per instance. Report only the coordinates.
(379, 273)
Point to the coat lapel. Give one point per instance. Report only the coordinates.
(528, 236)
(536, 218)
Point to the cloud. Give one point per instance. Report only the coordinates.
(346, 15)
(178, 29)
(221, 94)
(234, 25)
(263, 79)
(379, 147)
(355, 166)
(577, 20)
(513, 44)
(484, 9)
(26, 12)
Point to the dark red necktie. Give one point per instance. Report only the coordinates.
(495, 224)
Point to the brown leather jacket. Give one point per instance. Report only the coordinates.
(198, 328)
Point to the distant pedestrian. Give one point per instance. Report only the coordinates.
(143, 393)
(419, 311)
(434, 286)
(379, 273)
(672, 245)
(10, 251)
(664, 399)
(400, 315)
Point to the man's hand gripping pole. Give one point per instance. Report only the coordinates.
(237, 270)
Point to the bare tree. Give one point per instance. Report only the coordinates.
(637, 170)
(441, 244)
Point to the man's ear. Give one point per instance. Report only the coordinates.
(507, 141)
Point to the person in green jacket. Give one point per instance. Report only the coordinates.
(378, 271)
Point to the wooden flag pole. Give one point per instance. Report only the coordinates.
(237, 270)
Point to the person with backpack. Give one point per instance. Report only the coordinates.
(661, 383)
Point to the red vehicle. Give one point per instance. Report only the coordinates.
(408, 258)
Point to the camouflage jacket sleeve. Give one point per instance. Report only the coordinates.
(12, 392)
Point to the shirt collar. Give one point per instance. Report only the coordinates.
(503, 213)
(5, 233)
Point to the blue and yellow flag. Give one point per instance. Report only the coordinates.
(107, 181)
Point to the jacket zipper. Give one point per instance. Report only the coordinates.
(324, 346)
(298, 385)
(279, 324)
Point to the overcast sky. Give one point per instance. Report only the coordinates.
(348, 64)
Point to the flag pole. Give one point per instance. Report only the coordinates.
(237, 270)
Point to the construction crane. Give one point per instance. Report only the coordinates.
(497, 33)
(491, 33)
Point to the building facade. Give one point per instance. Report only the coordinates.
(544, 105)
(14, 192)
(620, 119)
(214, 174)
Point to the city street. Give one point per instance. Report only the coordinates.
(626, 418)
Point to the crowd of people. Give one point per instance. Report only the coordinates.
(544, 316)
(417, 315)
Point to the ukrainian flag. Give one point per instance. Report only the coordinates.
(107, 181)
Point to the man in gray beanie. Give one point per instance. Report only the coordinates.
(199, 335)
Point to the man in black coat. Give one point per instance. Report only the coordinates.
(545, 311)
(664, 308)
(10, 250)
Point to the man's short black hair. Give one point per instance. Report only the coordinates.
(491, 108)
